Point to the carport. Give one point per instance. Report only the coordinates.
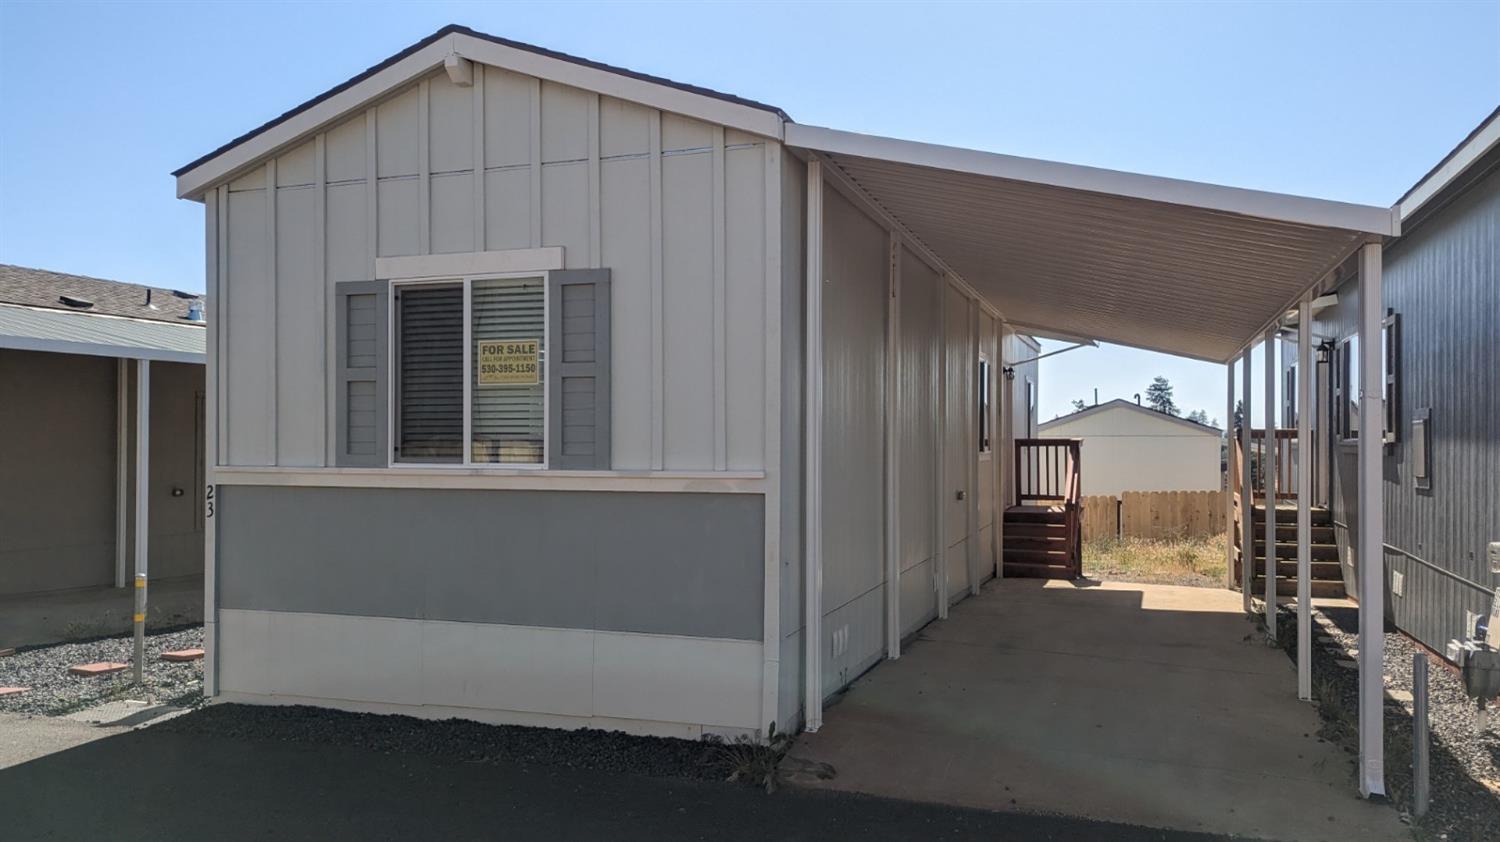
(1185, 268)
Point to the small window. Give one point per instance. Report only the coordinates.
(1390, 365)
(1348, 405)
(984, 404)
(1421, 463)
(1030, 408)
(470, 372)
(1289, 398)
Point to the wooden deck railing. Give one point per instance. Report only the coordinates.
(1046, 469)
(1282, 459)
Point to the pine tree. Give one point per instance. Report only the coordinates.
(1198, 416)
(1159, 396)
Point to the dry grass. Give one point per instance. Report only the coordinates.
(1182, 561)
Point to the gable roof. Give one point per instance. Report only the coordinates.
(1121, 403)
(429, 53)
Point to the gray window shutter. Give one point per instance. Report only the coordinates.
(363, 381)
(578, 369)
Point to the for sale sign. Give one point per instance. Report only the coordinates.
(509, 362)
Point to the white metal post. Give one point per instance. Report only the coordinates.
(813, 504)
(142, 506)
(122, 469)
(971, 429)
(1247, 502)
(1371, 553)
(893, 454)
(1228, 474)
(1304, 498)
(940, 443)
(1269, 470)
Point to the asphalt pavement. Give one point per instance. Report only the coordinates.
(160, 784)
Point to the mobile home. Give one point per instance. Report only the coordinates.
(545, 391)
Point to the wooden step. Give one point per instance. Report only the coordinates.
(1318, 552)
(1288, 532)
(1288, 587)
(1287, 512)
(1036, 514)
(1027, 570)
(1032, 529)
(1054, 554)
(1036, 542)
(1320, 571)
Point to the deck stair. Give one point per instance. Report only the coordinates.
(1038, 542)
(1043, 534)
(1327, 576)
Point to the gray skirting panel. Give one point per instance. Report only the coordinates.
(650, 562)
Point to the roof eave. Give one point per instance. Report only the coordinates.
(1300, 210)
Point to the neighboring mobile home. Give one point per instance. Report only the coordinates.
(548, 392)
(1440, 434)
(1128, 447)
(71, 352)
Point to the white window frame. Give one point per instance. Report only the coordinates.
(467, 463)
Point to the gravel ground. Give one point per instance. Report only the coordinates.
(457, 739)
(54, 692)
(1464, 759)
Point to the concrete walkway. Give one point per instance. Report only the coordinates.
(83, 613)
(1144, 704)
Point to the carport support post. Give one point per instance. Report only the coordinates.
(1247, 502)
(1269, 471)
(1304, 498)
(1228, 475)
(142, 505)
(122, 468)
(1371, 552)
(812, 631)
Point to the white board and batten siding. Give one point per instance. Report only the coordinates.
(676, 208)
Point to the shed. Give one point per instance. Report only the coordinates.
(1129, 447)
(86, 461)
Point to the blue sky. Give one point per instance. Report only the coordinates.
(1338, 100)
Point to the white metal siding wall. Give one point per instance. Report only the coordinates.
(956, 445)
(916, 428)
(673, 206)
(855, 266)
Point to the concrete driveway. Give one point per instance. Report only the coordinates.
(1134, 703)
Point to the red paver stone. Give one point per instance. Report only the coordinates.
(182, 655)
(11, 691)
(100, 668)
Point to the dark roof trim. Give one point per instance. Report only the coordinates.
(1446, 158)
(1121, 402)
(456, 29)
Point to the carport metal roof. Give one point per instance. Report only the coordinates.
(1182, 267)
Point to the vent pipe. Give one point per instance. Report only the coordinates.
(195, 310)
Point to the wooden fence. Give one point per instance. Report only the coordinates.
(1154, 514)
